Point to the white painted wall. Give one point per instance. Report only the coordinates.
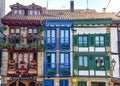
(116, 72)
(90, 30)
(114, 40)
(114, 49)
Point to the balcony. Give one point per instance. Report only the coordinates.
(18, 42)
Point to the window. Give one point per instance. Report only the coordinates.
(51, 60)
(30, 31)
(64, 36)
(50, 63)
(83, 41)
(12, 31)
(18, 11)
(15, 11)
(64, 60)
(50, 39)
(99, 62)
(33, 12)
(99, 40)
(98, 84)
(83, 61)
(15, 31)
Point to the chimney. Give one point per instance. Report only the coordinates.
(71, 6)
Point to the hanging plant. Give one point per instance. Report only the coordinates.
(24, 29)
(40, 30)
(7, 45)
(1, 45)
(3, 28)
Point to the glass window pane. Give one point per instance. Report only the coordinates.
(20, 12)
(29, 30)
(34, 30)
(15, 11)
(80, 61)
(17, 30)
(80, 41)
(53, 33)
(85, 41)
(66, 33)
(12, 31)
(48, 33)
(97, 38)
(31, 12)
(102, 40)
(66, 58)
(62, 58)
(35, 12)
(53, 58)
(119, 35)
(62, 33)
(85, 61)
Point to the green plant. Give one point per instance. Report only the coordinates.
(51, 72)
(33, 45)
(40, 30)
(7, 44)
(1, 45)
(65, 72)
(41, 46)
(3, 27)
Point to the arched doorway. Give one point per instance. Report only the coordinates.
(32, 84)
(21, 84)
(13, 84)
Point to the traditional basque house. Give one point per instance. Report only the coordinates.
(94, 47)
(23, 47)
(57, 59)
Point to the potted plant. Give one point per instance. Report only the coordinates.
(11, 68)
(65, 72)
(51, 72)
(22, 63)
(33, 62)
(41, 46)
(22, 69)
(7, 45)
(3, 28)
(1, 45)
(33, 45)
(12, 62)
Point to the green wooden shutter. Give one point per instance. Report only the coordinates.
(107, 63)
(91, 39)
(91, 62)
(107, 39)
(76, 62)
(75, 40)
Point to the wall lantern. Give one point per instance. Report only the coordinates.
(113, 63)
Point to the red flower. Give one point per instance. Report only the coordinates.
(22, 62)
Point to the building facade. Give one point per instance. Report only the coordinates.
(57, 59)
(23, 47)
(92, 52)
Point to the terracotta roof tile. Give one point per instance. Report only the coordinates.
(63, 14)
